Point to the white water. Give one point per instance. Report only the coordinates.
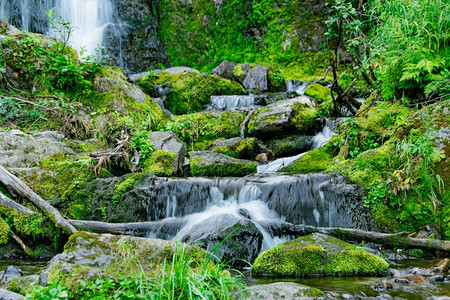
(278, 164)
(297, 86)
(229, 102)
(88, 18)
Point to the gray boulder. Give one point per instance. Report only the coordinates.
(239, 239)
(208, 163)
(285, 290)
(225, 70)
(18, 150)
(11, 273)
(106, 84)
(169, 142)
(94, 251)
(257, 79)
(19, 285)
(237, 147)
(8, 295)
(294, 115)
(289, 145)
(177, 70)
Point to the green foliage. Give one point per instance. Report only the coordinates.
(160, 163)
(4, 231)
(185, 275)
(410, 48)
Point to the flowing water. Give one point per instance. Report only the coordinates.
(88, 18)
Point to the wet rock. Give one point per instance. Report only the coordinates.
(318, 254)
(430, 231)
(169, 142)
(437, 278)
(19, 285)
(236, 147)
(262, 157)
(208, 163)
(282, 117)
(284, 290)
(384, 285)
(402, 280)
(8, 295)
(177, 71)
(290, 145)
(11, 273)
(224, 70)
(94, 251)
(240, 240)
(24, 151)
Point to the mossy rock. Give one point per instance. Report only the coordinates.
(318, 92)
(285, 290)
(318, 254)
(160, 163)
(191, 92)
(200, 129)
(290, 145)
(208, 163)
(282, 117)
(236, 147)
(313, 161)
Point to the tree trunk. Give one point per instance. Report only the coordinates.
(15, 185)
(5, 201)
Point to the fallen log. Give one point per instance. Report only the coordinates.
(15, 185)
(399, 240)
(20, 242)
(5, 201)
(169, 228)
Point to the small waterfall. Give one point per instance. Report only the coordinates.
(229, 102)
(88, 19)
(278, 164)
(297, 86)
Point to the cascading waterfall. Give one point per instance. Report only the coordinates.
(88, 18)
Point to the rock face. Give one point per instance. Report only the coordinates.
(286, 116)
(290, 145)
(236, 147)
(225, 70)
(94, 251)
(260, 79)
(8, 275)
(169, 142)
(208, 163)
(18, 150)
(318, 254)
(284, 290)
(8, 295)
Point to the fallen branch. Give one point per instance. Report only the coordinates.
(15, 185)
(391, 240)
(5, 201)
(20, 242)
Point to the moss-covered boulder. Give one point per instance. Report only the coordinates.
(208, 163)
(94, 252)
(318, 254)
(285, 290)
(261, 79)
(290, 145)
(199, 130)
(287, 116)
(318, 92)
(189, 91)
(171, 159)
(161, 163)
(237, 147)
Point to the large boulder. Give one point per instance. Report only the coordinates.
(11, 273)
(318, 254)
(169, 142)
(208, 163)
(285, 290)
(225, 70)
(18, 150)
(232, 239)
(289, 145)
(237, 147)
(189, 91)
(294, 115)
(93, 251)
(261, 79)
(8, 295)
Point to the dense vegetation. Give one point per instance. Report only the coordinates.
(393, 53)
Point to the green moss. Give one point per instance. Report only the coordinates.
(199, 130)
(126, 184)
(313, 161)
(304, 116)
(318, 92)
(160, 163)
(277, 81)
(230, 167)
(244, 149)
(191, 92)
(4, 231)
(311, 255)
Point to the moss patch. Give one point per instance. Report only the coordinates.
(318, 254)
(318, 92)
(160, 163)
(242, 148)
(207, 164)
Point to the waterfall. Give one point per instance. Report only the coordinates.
(88, 18)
